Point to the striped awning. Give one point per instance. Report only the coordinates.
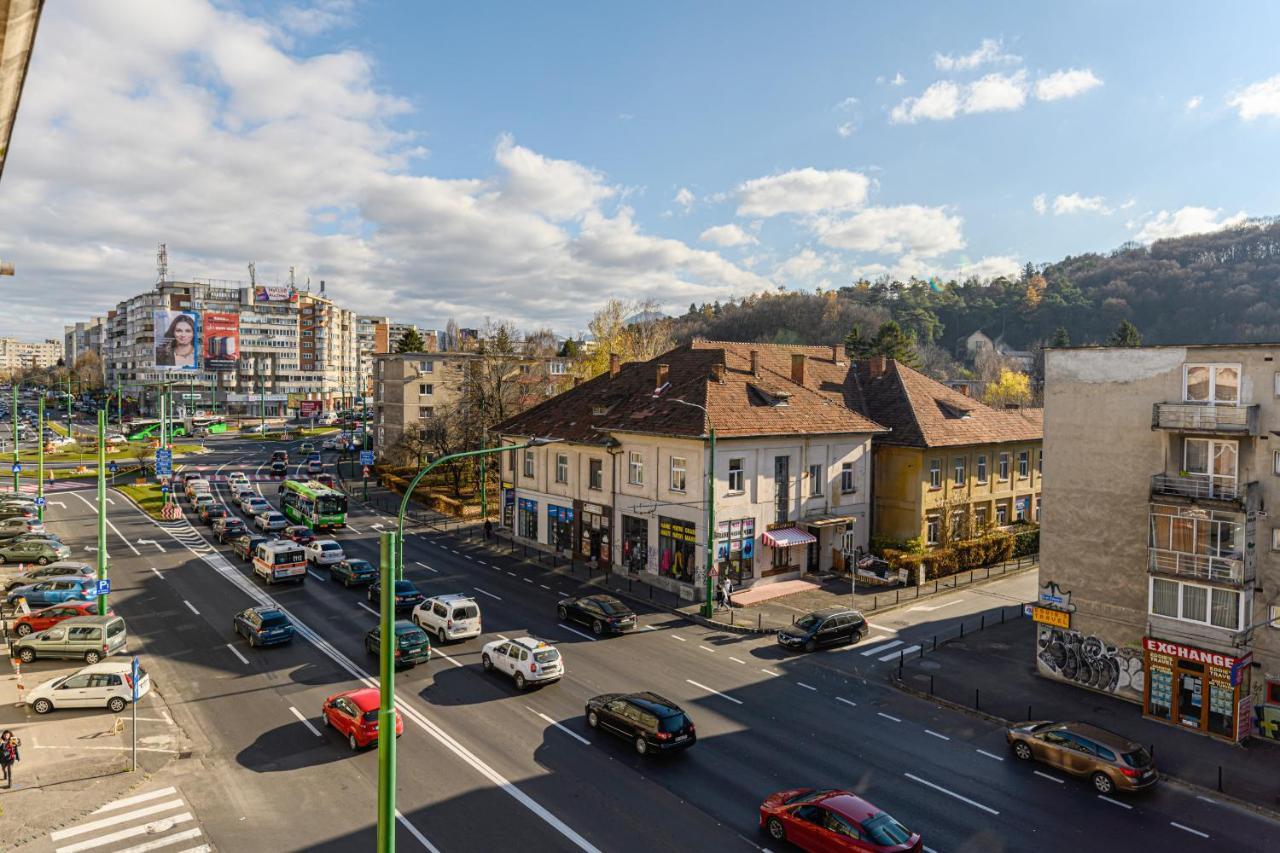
(785, 537)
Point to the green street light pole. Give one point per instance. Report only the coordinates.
(364, 445)
(262, 405)
(40, 462)
(102, 507)
(387, 706)
(16, 489)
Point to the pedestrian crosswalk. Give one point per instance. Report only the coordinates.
(159, 819)
(188, 536)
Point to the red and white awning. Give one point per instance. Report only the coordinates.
(785, 537)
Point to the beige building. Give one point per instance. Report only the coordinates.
(17, 355)
(1160, 564)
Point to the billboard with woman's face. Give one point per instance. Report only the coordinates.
(177, 340)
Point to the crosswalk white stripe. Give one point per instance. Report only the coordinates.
(129, 801)
(895, 654)
(114, 819)
(152, 828)
(185, 835)
(878, 649)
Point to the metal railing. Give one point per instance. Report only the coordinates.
(1200, 566)
(1199, 486)
(1205, 417)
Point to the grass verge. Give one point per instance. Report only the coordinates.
(149, 497)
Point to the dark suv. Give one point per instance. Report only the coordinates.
(245, 544)
(647, 720)
(833, 626)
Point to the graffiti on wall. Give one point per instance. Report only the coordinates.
(1267, 721)
(1089, 661)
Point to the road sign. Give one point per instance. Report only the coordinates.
(104, 586)
(366, 457)
(17, 467)
(40, 501)
(164, 462)
(134, 674)
(164, 488)
(112, 467)
(366, 472)
(191, 396)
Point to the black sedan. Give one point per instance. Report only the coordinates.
(602, 612)
(229, 528)
(407, 595)
(213, 512)
(245, 544)
(263, 626)
(352, 572)
(648, 721)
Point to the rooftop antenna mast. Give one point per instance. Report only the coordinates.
(162, 264)
(253, 274)
(292, 286)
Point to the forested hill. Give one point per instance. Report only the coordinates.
(1205, 288)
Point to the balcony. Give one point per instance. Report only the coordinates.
(1235, 570)
(1196, 488)
(1205, 418)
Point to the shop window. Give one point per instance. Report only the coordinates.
(735, 548)
(562, 467)
(737, 476)
(935, 473)
(847, 485)
(677, 548)
(815, 481)
(595, 474)
(679, 472)
(982, 468)
(528, 519)
(635, 468)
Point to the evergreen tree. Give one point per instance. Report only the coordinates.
(892, 342)
(410, 341)
(1060, 338)
(855, 347)
(570, 349)
(1125, 335)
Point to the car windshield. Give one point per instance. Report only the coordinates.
(672, 723)
(466, 611)
(546, 656)
(405, 588)
(613, 608)
(885, 831)
(1138, 758)
(413, 637)
(808, 795)
(274, 620)
(370, 716)
(807, 622)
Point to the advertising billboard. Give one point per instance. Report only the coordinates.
(309, 408)
(177, 340)
(221, 341)
(274, 293)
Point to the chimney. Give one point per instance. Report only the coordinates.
(876, 366)
(661, 377)
(755, 363)
(963, 389)
(835, 354)
(797, 368)
(577, 380)
(615, 364)
(717, 373)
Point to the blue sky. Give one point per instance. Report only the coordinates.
(528, 161)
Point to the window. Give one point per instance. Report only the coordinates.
(1003, 472)
(562, 467)
(556, 368)
(815, 481)
(958, 527)
(1275, 539)
(1189, 602)
(425, 389)
(979, 518)
(847, 486)
(959, 472)
(1002, 513)
(781, 489)
(1024, 464)
(1039, 461)
(1038, 502)
(528, 463)
(982, 468)
(931, 529)
(426, 411)
(1211, 383)
(635, 468)
(595, 474)
(1164, 597)
(737, 476)
(935, 473)
(679, 471)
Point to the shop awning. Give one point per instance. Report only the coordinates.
(828, 520)
(785, 537)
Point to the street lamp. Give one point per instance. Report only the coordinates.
(707, 604)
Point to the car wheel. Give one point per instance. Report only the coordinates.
(328, 724)
(92, 656)
(521, 684)
(486, 663)
(1102, 783)
(810, 645)
(597, 627)
(43, 561)
(561, 611)
(642, 745)
(23, 629)
(1, 559)
(775, 829)
(42, 706)
(353, 743)
(593, 719)
(253, 641)
(116, 704)
(1022, 750)
(27, 655)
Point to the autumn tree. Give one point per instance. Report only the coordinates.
(1011, 388)
(646, 336)
(88, 369)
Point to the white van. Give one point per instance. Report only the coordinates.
(280, 560)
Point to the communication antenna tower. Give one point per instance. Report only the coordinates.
(162, 263)
(253, 274)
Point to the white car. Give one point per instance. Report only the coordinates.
(269, 522)
(240, 496)
(255, 506)
(526, 660)
(116, 438)
(449, 617)
(324, 552)
(237, 479)
(103, 685)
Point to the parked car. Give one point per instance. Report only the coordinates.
(650, 722)
(102, 685)
(407, 595)
(18, 525)
(245, 544)
(1113, 762)
(33, 551)
(270, 521)
(325, 552)
(226, 528)
(88, 637)
(524, 660)
(61, 569)
(603, 613)
(263, 626)
(449, 617)
(213, 513)
(833, 820)
(412, 644)
(352, 572)
(831, 626)
(17, 510)
(52, 538)
(354, 714)
(299, 533)
(47, 617)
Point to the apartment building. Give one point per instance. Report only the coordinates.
(82, 338)
(951, 466)
(625, 481)
(17, 355)
(1160, 566)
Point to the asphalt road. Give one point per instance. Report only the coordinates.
(483, 767)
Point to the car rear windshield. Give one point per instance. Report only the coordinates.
(672, 723)
(405, 588)
(330, 546)
(885, 831)
(360, 565)
(412, 638)
(612, 607)
(114, 628)
(274, 620)
(467, 611)
(546, 656)
(370, 716)
(1137, 758)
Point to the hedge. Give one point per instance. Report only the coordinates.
(967, 554)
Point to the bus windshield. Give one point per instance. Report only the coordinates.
(331, 504)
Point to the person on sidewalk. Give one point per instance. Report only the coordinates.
(488, 530)
(728, 593)
(8, 756)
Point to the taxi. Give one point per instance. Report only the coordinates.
(525, 660)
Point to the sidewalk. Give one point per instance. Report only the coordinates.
(992, 672)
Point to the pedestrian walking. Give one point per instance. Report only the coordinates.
(488, 529)
(728, 593)
(8, 755)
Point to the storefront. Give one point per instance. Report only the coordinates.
(527, 519)
(635, 543)
(785, 542)
(594, 534)
(560, 527)
(1199, 689)
(736, 549)
(677, 548)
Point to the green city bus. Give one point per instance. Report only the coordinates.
(314, 504)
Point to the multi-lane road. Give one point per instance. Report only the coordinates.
(484, 767)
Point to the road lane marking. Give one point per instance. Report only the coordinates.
(678, 637)
(425, 566)
(888, 716)
(352, 528)
(157, 574)
(877, 649)
(544, 586)
(807, 686)
(123, 539)
(156, 826)
(168, 841)
(900, 653)
(513, 574)
(716, 692)
(367, 607)
(932, 607)
(1125, 806)
(191, 607)
(990, 755)
(935, 734)
(486, 592)
(846, 701)
(129, 801)
(735, 660)
(576, 631)
(316, 576)
(1050, 778)
(1188, 829)
(1206, 799)
(707, 649)
(959, 797)
(774, 673)
(468, 556)
(579, 738)
(413, 830)
(449, 659)
(244, 660)
(528, 580)
(503, 637)
(114, 820)
(304, 721)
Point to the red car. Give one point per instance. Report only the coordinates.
(299, 533)
(831, 820)
(47, 617)
(355, 715)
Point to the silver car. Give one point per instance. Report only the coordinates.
(271, 522)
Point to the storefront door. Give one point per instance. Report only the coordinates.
(1196, 688)
(635, 543)
(560, 527)
(594, 539)
(1190, 707)
(813, 555)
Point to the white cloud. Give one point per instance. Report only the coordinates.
(989, 52)
(805, 190)
(685, 198)
(1039, 204)
(996, 92)
(1186, 220)
(727, 235)
(909, 228)
(845, 130)
(317, 18)
(898, 79)
(1262, 99)
(1193, 103)
(945, 99)
(802, 267)
(561, 190)
(1066, 84)
(1076, 203)
(992, 266)
(847, 104)
(941, 101)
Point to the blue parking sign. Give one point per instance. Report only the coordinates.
(366, 457)
(39, 501)
(17, 468)
(104, 586)
(112, 467)
(134, 673)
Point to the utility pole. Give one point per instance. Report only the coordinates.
(40, 462)
(102, 507)
(119, 408)
(16, 463)
(364, 439)
(262, 404)
(387, 707)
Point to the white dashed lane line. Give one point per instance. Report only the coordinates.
(576, 631)
(302, 719)
(1050, 778)
(678, 637)
(367, 607)
(806, 686)
(707, 649)
(943, 790)
(774, 673)
(713, 691)
(888, 716)
(486, 592)
(735, 660)
(236, 652)
(191, 607)
(1124, 806)
(935, 734)
(990, 755)
(1188, 829)
(425, 566)
(847, 701)
(435, 651)
(579, 738)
